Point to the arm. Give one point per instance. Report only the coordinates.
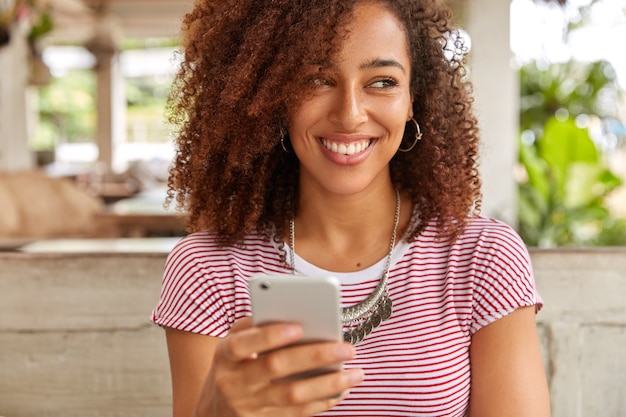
(190, 358)
(508, 378)
(237, 375)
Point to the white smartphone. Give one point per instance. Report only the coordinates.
(313, 302)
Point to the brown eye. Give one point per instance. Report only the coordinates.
(384, 83)
(319, 81)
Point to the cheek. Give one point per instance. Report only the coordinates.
(298, 118)
(299, 124)
(296, 129)
(394, 118)
(392, 108)
(302, 119)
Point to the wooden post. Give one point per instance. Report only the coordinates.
(15, 154)
(496, 90)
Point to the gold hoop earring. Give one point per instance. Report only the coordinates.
(418, 137)
(283, 134)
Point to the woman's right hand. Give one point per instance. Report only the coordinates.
(246, 376)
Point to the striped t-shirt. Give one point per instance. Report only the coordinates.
(417, 362)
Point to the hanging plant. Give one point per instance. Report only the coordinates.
(40, 20)
(7, 16)
(34, 13)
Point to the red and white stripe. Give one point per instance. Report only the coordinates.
(417, 362)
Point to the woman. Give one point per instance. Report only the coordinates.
(336, 137)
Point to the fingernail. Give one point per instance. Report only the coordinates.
(355, 376)
(345, 352)
(291, 332)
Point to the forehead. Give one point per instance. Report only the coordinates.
(373, 31)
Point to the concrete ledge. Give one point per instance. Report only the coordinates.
(587, 285)
(74, 293)
(583, 329)
(75, 336)
(75, 340)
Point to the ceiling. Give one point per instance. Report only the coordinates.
(79, 21)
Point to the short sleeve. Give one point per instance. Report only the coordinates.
(503, 275)
(193, 297)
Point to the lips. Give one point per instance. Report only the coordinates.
(342, 148)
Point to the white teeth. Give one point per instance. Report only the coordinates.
(342, 149)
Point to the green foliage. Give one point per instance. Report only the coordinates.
(572, 86)
(41, 26)
(67, 110)
(562, 202)
(146, 98)
(562, 197)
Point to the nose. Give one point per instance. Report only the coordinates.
(348, 108)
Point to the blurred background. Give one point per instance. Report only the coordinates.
(84, 154)
(84, 145)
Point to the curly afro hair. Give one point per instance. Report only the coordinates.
(243, 62)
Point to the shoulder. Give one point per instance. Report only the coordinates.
(206, 245)
(487, 232)
(193, 249)
(490, 234)
(202, 253)
(485, 245)
(204, 284)
(487, 226)
(495, 243)
(479, 234)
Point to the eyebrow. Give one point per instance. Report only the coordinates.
(379, 63)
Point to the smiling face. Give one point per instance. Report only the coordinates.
(350, 127)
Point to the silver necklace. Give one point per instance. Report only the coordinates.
(361, 319)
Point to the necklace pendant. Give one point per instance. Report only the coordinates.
(386, 308)
(360, 334)
(362, 318)
(348, 337)
(367, 327)
(376, 319)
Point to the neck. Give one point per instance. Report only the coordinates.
(345, 233)
(332, 212)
